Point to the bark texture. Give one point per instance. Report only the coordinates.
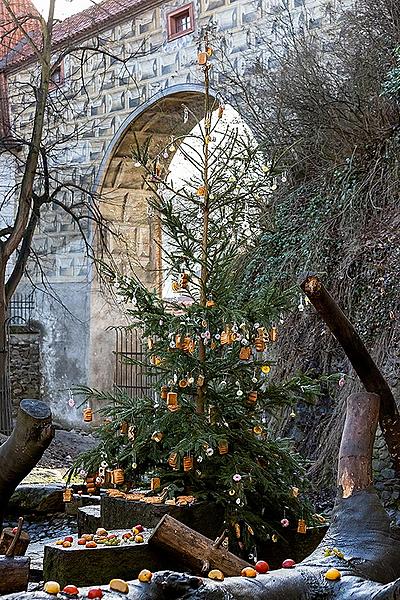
(31, 436)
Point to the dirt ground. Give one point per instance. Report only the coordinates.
(59, 456)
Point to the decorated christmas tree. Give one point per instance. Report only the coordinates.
(210, 346)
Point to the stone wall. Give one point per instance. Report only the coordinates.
(25, 366)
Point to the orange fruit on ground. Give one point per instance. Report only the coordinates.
(248, 572)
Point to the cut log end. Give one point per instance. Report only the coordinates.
(35, 409)
(311, 285)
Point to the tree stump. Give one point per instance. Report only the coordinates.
(31, 436)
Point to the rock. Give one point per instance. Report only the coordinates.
(37, 498)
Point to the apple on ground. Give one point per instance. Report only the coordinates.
(68, 538)
(262, 566)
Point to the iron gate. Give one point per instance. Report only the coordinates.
(132, 375)
(19, 313)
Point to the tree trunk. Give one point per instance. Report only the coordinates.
(360, 529)
(5, 396)
(32, 434)
(365, 367)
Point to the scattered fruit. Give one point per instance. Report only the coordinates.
(248, 572)
(81, 542)
(51, 587)
(135, 531)
(139, 528)
(119, 585)
(333, 574)
(127, 535)
(139, 539)
(101, 531)
(111, 536)
(288, 563)
(87, 536)
(145, 576)
(91, 544)
(95, 593)
(59, 542)
(66, 544)
(262, 566)
(69, 538)
(216, 574)
(71, 590)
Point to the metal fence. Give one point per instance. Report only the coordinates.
(131, 372)
(20, 309)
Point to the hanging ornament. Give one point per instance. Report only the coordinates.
(202, 58)
(201, 191)
(173, 460)
(273, 333)
(155, 483)
(274, 538)
(265, 369)
(252, 398)
(259, 344)
(209, 452)
(292, 414)
(295, 492)
(124, 427)
(301, 526)
(210, 302)
(176, 288)
(223, 446)
(209, 51)
(118, 476)
(164, 392)
(67, 495)
(157, 436)
(131, 433)
(237, 530)
(184, 280)
(187, 463)
(183, 383)
(155, 360)
(232, 492)
(245, 353)
(88, 414)
(301, 305)
(90, 485)
(172, 399)
(150, 343)
(284, 521)
(257, 429)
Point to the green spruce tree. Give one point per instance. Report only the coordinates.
(211, 349)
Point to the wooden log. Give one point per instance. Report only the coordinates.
(194, 550)
(31, 436)
(14, 574)
(363, 364)
(6, 538)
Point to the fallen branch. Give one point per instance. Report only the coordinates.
(368, 372)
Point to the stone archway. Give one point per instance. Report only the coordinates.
(170, 114)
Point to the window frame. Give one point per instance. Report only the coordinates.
(172, 19)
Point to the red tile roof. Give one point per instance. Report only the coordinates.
(81, 25)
